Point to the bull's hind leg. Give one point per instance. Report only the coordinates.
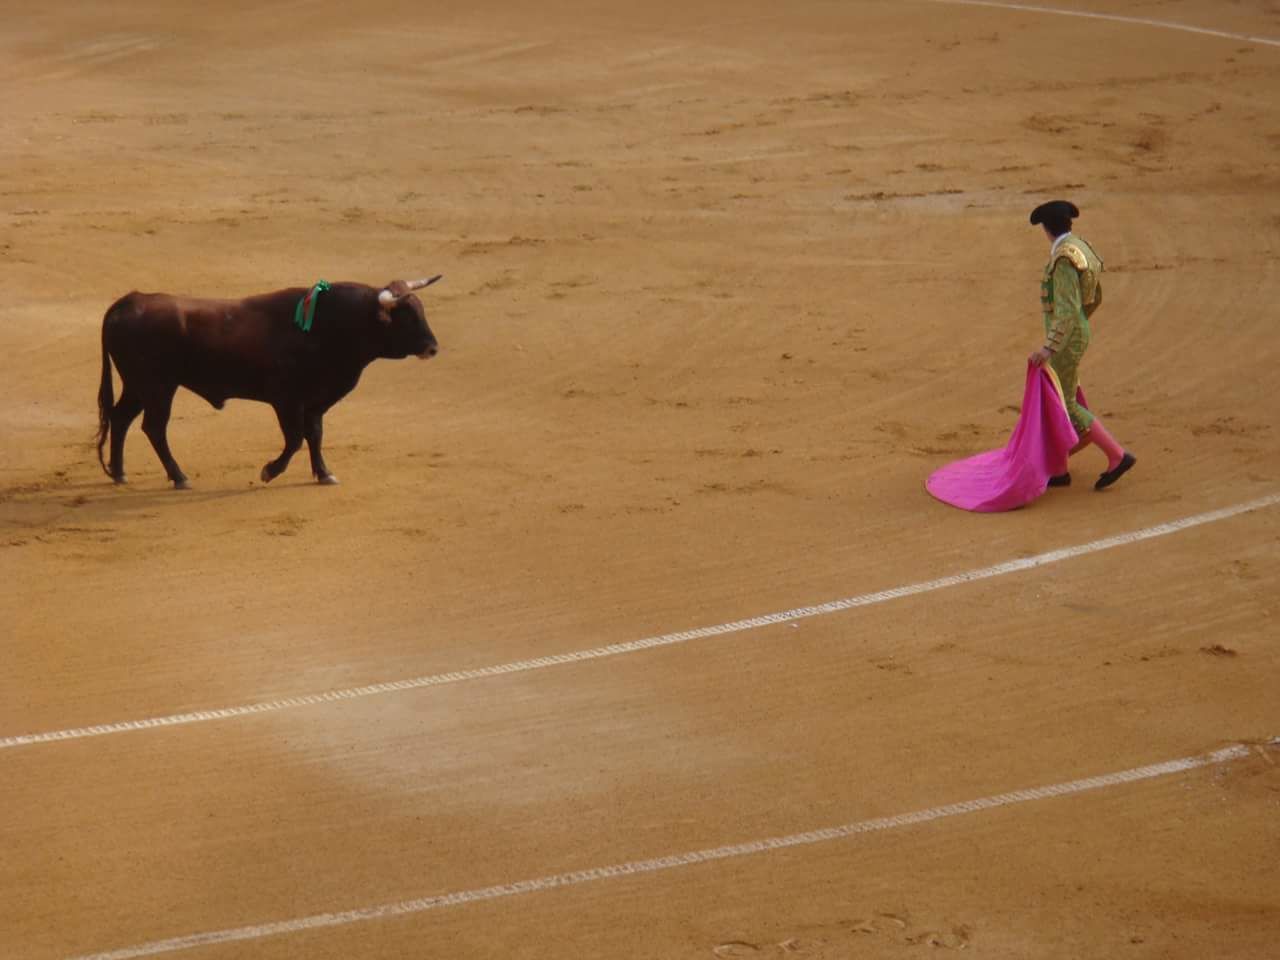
(315, 435)
(122, 415)
(155, 424)
(290, 418)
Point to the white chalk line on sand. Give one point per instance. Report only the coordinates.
(648, 643)
(670, 862)
(1114, 17)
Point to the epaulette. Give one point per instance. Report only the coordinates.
(1074, 254)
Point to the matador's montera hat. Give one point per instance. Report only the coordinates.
(1054, 210)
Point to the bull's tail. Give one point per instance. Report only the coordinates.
(106, 398)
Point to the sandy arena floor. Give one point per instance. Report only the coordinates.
(723, 283)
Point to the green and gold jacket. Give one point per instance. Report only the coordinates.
(1070, 291)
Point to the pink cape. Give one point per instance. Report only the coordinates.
(1014, 476)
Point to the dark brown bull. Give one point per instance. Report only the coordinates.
(252, 349)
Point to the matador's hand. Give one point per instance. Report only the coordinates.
(1039, 358)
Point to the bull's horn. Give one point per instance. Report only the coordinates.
(387, 298)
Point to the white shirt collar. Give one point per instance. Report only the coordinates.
(1053, 251)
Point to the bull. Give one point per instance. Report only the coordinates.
(258, 348)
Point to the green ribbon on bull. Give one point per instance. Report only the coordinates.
(305, 312)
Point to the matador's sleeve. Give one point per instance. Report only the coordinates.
(1066, 305)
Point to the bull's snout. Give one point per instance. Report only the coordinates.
(430, 351)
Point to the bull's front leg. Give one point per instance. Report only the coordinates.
(315, 435)
(291, 424)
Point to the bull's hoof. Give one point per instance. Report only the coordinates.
(118, 479)
(266, 476)
(181, 484)
(327, 480)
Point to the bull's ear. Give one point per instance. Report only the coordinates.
(393, 291)
(389, 296)
(386, 300)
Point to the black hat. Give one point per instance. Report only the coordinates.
(1055, 211)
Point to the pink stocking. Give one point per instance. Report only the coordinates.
(1106, 443)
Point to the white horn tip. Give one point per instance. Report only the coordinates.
(386, 298)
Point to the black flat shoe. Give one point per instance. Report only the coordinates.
(1111, 476)
(1061, 480)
